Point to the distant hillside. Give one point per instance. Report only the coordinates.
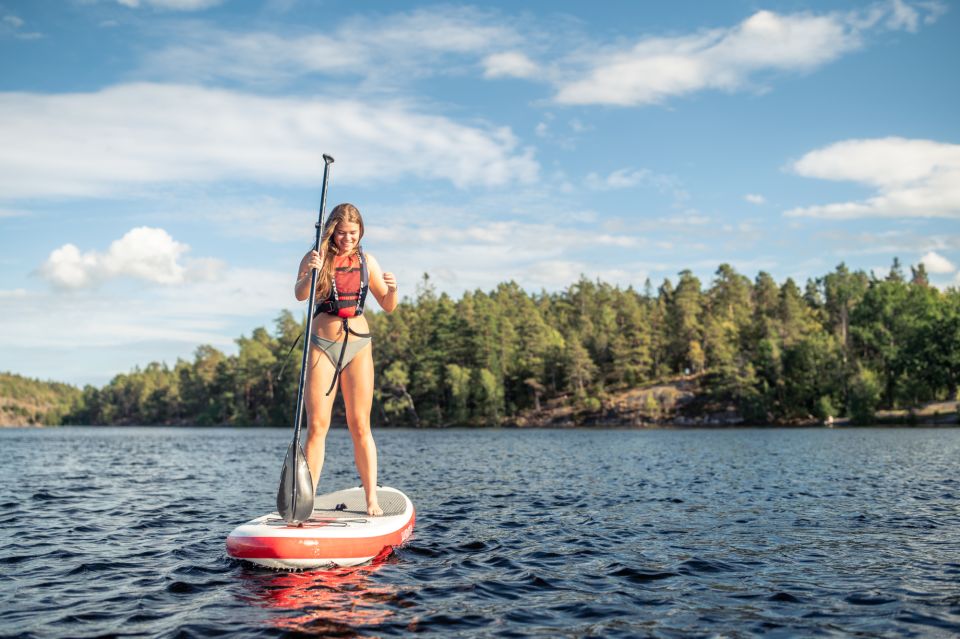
(29, 402)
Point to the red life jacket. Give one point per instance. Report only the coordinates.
(348, 287)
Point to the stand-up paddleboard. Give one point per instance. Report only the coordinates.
(339, 533)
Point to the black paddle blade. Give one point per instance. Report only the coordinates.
(295, 497)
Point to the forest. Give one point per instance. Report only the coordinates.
(847, 343)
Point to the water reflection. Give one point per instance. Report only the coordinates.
(326, 602)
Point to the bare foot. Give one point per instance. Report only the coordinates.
(374, 509)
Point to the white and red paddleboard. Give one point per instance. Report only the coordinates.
(340, 533)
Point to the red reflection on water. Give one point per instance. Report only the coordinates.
(329, 601)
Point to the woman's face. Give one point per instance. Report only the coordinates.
(346, 236)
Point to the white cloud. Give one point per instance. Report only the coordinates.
(527, 237)
(913, 178)
(619, 179)
(118, 326)
(11, 25)
(454, 242)
(511, 64)
(595, 181)
(553, 274)
(385, 49)
(936, 263)
(173, 5)
(559, 274)
(628, 178)
(128, 136)
(755, 198)
(194, 312)
(900, 241)
(458, 249)
(898, 14)
(688, 218)
(903, 16)
(728, 59)
(66, 267)
(265, 219)
(144, 253)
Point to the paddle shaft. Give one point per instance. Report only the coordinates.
(327, 161)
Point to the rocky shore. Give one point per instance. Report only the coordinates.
(683, 403)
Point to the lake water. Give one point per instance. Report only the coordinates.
(664, 533)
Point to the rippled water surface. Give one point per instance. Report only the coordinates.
(608, 533)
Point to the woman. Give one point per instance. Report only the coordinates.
(341, 352)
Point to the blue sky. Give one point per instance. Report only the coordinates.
(160, 159)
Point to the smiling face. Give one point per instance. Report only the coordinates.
(343, 230)
(346, 237)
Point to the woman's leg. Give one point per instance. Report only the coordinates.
(318, 406)
(356, 380)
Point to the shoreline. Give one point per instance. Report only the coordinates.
(677, 403)
(945, 424)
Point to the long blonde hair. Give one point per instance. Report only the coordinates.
(345, 212)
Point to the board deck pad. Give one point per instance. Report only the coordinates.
(325, 506)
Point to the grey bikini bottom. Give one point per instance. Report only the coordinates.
(332, 348)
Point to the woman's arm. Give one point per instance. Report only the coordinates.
(382, 285)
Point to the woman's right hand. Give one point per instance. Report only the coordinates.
(310, 261)
(314, 261)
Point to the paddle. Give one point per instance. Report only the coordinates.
(295, 496)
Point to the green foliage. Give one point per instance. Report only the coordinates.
(773, 352)
(811, 374)
(590, 404)
(865, 390)
(398, 402)
(684, 319)
(457, 379)
(487, 397)
(824, 408)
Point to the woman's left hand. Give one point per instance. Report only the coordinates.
(390, 281)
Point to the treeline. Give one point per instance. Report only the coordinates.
(29, 402)
(848, 343)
